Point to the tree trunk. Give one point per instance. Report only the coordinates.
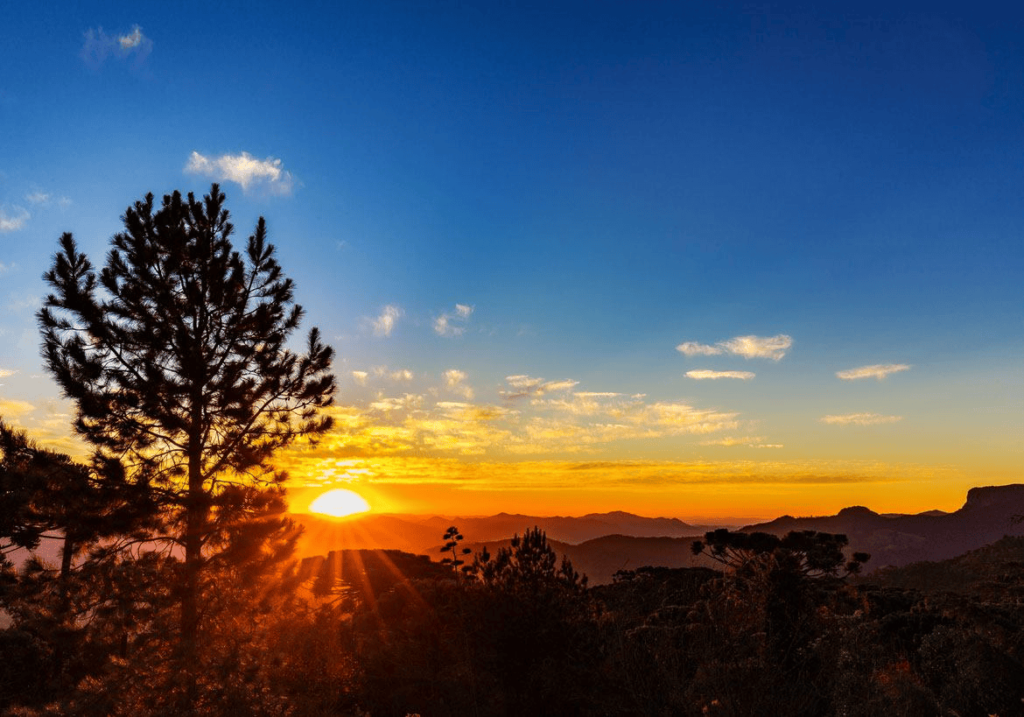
(195, 525)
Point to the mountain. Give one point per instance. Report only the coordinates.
(419, 534)
(897, 540)
(600, 544)
(994, 572)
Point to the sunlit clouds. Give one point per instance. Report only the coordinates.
(859, 419)
(769, 347)
(521, 386)
(384, 324)
(746, 442)
(570, 475)
(450, 324)
(455, 382)
(243, 169)
(878, 371)
(705, 374)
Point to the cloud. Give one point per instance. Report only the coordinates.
(453, 323)
(402, 374)
(12, 409)
(131, 40)
(37, 198)
(14, 220)
(730, 441)
(692, 348)
(4, 372)
(879, 371)
(769, 347)
(99, 45)
(860, 419)
(454, 381)
(360, 377)
(704, 374)
(244, 170)
(384, 324)
(527, 386)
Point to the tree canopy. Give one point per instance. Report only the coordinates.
(177, 357)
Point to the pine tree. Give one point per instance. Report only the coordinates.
(176, 355)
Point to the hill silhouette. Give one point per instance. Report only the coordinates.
(897, 540)
(422, 534)
(600, 544)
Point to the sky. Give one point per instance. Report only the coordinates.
(680, 259)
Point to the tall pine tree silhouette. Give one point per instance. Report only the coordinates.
(176, 356)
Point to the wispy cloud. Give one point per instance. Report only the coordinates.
(12, 220)
(453, 323)
(455, 381)
(13, 409)
(98, 46)
(384, 324)
(360, 377)
(859, 419)
(244, 170)
(132, 40)
(704, 374)
(37, 198)
(879, 371)
(402, 374)
(523, 386)
(769, 347)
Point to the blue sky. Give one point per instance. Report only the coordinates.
(567, 192)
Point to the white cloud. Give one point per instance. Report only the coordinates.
(704, 374)
(692, 348)
(859, 419)
(14, 220)
(453, 323)
(454, 381)
(37, 198)
(384, 324)
(879, 371)
(99, 45)
(244, 170)
(132, 39)
(402, 374)
(360, 377)
(770, 347)
(527, 386)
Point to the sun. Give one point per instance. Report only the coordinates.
(339, 503)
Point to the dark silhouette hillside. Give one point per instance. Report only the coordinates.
(902, 539)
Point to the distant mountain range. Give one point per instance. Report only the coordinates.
(419, 534)
(600, 544)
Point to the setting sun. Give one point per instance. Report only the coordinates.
(339, 503)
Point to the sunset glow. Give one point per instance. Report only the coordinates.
(339, 503)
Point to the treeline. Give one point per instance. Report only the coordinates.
(779, 631)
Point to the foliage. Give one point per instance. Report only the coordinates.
(452, 538)
(176, 356)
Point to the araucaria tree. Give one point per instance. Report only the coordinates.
(176, 354)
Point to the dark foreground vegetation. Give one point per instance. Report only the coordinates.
(778, 632)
